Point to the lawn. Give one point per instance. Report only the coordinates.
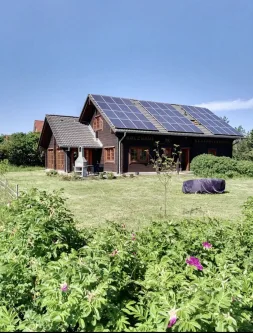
(136, 201)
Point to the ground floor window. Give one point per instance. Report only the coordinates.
(212, 151)
(109, 154)
(138, 155)
(168, 152)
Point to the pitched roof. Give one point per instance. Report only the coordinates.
(160, 129)
(38, 125)
(69, 132)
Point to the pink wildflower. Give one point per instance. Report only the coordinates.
(64, 287)
(133, 237)
(193, 261)
(207, 245)
(173, 318)
(114, 252)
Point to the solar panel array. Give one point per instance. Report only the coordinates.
(123, 113)
(171, 119)
(212, 122)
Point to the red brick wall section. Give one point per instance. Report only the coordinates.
(108, 139)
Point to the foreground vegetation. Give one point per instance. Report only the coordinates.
(207, 165)
(136, 201)
(188, 275)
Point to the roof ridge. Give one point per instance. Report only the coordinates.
(60, 115)
(135, 99)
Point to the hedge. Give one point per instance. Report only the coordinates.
(208, 165)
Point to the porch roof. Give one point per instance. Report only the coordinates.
(69, 132)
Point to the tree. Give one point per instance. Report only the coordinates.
(243, 148)
(240, 129)
(224, 118)
(164, 165)
(21, 149)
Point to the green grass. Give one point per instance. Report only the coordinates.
(14, 168)
(136, 201)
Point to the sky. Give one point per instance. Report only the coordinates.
(53, 53)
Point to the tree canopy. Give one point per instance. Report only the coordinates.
(21, 149)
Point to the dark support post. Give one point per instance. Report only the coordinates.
(67, 159)
(45, 151)
(178, 164)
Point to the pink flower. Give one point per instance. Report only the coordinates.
(173, 318)
(193, 261)
(133, 237)
(207, 245)
(64, 287)
(114, 252)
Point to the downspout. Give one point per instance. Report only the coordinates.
(119, 160)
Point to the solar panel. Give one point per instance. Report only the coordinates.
(210, 120)
(123, 113)
(171, 119)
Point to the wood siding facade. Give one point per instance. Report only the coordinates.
(109, 140)
(108, 156)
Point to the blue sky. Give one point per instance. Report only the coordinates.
(55, 52)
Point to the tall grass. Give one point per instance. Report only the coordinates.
(14, 168)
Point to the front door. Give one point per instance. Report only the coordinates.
(185, 159)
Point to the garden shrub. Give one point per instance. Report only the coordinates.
(101, 175)
(189, 275)
(208, 165)
(110, 175)
(70, 176)
(52, 173)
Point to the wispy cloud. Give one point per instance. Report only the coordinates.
(237, 104)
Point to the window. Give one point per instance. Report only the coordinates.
(168, 152)
(212, 151)
(109, 154)
(98, 123)
(138, 155)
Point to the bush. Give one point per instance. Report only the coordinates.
(54, 278)
(208, 165)
(70, 176)
(22, 149)
(4, 167)
(52, 173)
(101, 175)
(110, 175)
(106, 175)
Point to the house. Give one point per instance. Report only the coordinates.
(38, 125)
(117, 132)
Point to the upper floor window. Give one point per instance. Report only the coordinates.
(98, 123)
(138, 155)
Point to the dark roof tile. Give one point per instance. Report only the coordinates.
(69, 132)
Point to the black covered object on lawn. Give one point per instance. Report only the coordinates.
(205, 185)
